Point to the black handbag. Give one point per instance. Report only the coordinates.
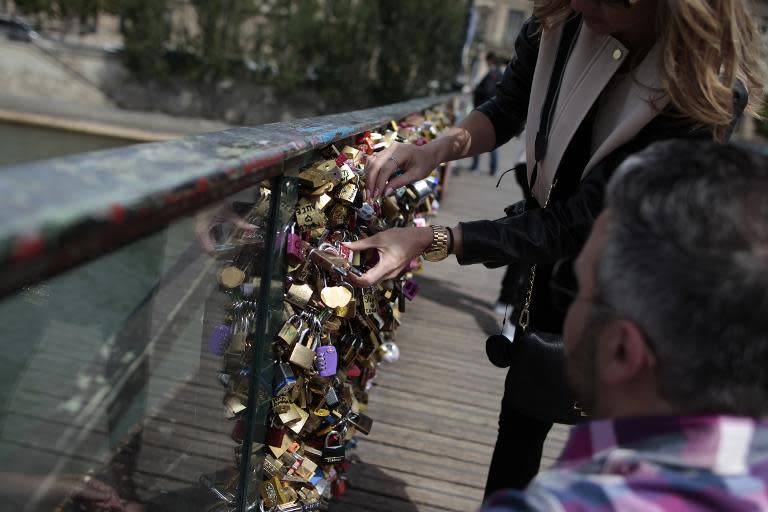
(536, 382)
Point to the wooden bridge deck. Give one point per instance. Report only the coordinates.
(435, 411)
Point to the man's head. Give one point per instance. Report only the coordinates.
(672, 310)
(491, 59)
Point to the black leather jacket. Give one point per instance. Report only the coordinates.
(542, 236)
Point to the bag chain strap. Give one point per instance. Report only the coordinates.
(525, 314)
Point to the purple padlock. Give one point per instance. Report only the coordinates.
(219, 339)
(327, 360)
(295, 246)
(410, 289)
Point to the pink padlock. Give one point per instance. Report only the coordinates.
(295, 247)
(410, 289)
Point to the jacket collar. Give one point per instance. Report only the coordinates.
(594, 61)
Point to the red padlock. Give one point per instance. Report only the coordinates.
(238, 432)
(338, 488)
(275, 437)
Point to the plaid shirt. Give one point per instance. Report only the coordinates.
(653, 464)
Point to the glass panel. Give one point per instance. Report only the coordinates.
(111, 382)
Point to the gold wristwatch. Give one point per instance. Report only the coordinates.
(438, 249)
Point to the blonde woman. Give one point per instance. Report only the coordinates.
(593, 81)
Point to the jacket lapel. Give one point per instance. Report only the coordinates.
(624, 113)
(594, 61)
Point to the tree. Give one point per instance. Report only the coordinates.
(146, 29)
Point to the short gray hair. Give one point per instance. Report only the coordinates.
(686, 258)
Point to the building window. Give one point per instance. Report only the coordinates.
(514, 23)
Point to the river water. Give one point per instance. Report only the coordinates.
(21, 143)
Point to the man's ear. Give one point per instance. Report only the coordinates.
(623, 352)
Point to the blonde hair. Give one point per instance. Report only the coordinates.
(706, 46)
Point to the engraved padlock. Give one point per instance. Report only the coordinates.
(299, 295)
(303, 354)
(334, 451)
(327, 360)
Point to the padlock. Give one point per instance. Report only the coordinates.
(303, 354)
(338, 215)
(418, 190)
(389, 352)
(231, 277)
(272, 466)
(280, 404)
(333, 448)
(234, 405)
(299, 295)
(297, 425)
(338, 488)
(273, 493)
(296, 248)
(410, 288)
(348, 193)
(308, 216)
(331, 398)
(348, 311)
(326, 360)
(361, 422)
(370, 302)
(238, 430)
(219, 339)
(289, 333)
(337, 296)
(239, 335)
(285, 380)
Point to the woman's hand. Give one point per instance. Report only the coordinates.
(416, 162)
(396, 248)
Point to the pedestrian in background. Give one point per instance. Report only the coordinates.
(484, 91)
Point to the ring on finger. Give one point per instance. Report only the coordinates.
(397, 165)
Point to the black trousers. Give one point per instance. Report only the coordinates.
(519, 445)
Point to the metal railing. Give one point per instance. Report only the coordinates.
(61, 212)
(113, 353)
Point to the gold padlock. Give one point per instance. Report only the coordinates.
(348, 192)
(370, 302)
(338, 214)
(299, 295)
(336, 296)
(303, 355)
(231, 277)
(323, 201)
(289, 333)
(308, 216)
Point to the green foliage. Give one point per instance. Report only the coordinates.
(372, 52)
(146, 29)
(355, 52)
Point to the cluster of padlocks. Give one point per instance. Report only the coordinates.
(334, 335)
